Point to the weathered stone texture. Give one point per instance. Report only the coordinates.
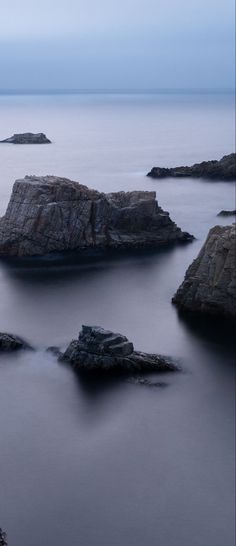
(102, 350)
(210, 282)
(52, 214)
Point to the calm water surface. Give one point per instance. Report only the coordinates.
(117, 464)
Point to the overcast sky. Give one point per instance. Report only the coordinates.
(116, 44)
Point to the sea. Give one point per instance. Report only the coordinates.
(88, 462)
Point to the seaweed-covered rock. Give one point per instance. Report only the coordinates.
(210, 282)
(102, 350)
(224, 169)
(51, 214)
(27, 138)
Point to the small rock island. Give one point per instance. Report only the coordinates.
(210, 282)
(102, 350)
(27, 138)
(50, 214)
(224, 169)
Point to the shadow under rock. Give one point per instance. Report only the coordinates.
(86, 257)
(217, 330)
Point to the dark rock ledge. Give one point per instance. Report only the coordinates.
(224, 169)
(49, 214)
(9, 342)
(100, 350)
(27, 138)
(209, 286)
(227, 213)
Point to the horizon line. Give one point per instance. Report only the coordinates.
(75, 91)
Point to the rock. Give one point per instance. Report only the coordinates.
(27, 138)
(8, 343)
(55, 351)
(50, 214)
(227, 213)
(3, 538)
(224, 169)
(210, 282)
(102, 350)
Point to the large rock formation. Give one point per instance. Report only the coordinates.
(224, 169)
(51, 214)
(9, 342)
(27, 138)
(102, 350)
(210, 282)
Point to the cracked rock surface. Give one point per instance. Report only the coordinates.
(51, 214)
(103, 350)
(210, 282)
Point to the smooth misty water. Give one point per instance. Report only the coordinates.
(117, 464)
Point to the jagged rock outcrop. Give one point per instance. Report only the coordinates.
(27, 138)
(9, 342)
(52, 214)
(227, 213)
(210, 282)
(224, 169)
(102, 350)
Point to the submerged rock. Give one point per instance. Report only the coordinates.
(227, 213)
(102, 350)
(9, 342)
(210, 282)
(27, 138)
(224, 169)
(51, 214)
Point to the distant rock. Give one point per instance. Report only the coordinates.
(9, 342)
(102, 350)
(3, 538)
(51, 214)
(227, 213)
(210, 282)
(27, 138)
(224, 169)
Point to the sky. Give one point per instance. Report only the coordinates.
(116, 44)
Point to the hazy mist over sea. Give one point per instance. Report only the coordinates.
(116, 464)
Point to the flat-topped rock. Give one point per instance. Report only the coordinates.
(9, 342)
(51, 214)
(102, 350)
(210, 282)
(224, 169)
(27, 138)
(227, 213)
